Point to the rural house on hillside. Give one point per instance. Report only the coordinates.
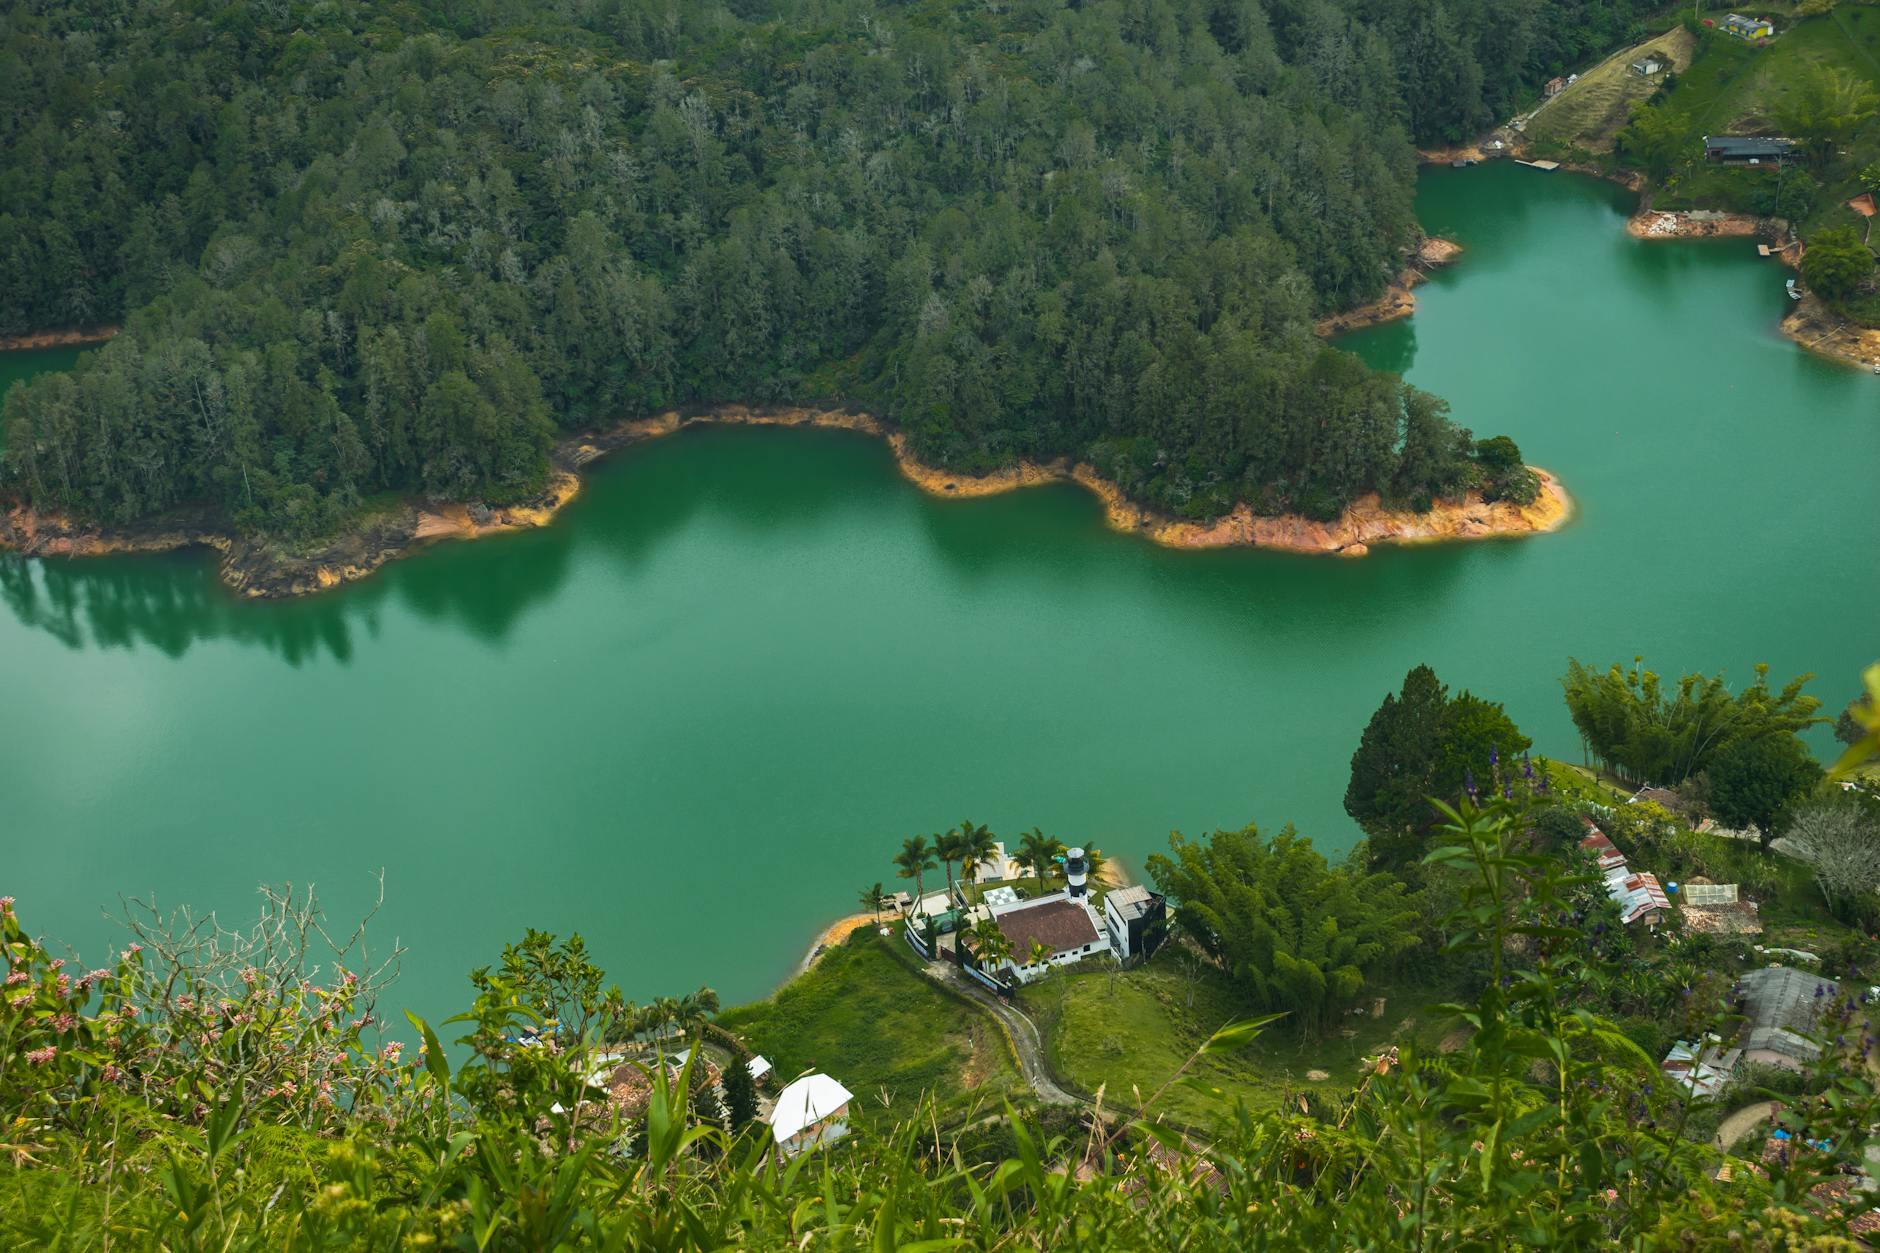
(1752, 29)
(1749, 150)
(1780, 1005)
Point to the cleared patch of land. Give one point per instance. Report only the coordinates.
(863, 1015)
(1592, 111)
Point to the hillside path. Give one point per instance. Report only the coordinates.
(1026, 1041)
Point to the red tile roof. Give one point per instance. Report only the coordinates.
(1058, 925)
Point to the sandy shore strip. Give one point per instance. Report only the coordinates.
(61, 338)
(836, 933)
(256, 567)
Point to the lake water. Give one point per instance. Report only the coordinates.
(696, 716)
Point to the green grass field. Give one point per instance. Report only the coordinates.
(1128, 1031)
(864, 1015)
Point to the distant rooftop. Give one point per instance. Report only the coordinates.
(1748, 145)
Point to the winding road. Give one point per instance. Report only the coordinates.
(1027, 1043)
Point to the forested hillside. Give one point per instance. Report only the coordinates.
(361, 248)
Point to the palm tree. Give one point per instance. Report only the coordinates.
(874, 900)
(1038, 955)
(976, 844)
(1094, 861)
(693, 1009)
(914, 861)
(1038, 852)
(662, 1015)
(989, 944)
(948, 848)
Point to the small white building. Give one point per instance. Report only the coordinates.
(1064, 927)
(758, 1066)
(1130, 915)
(811, 1111)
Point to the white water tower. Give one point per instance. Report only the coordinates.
(1076, 868)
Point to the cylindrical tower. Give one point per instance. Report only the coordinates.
(1076, 868)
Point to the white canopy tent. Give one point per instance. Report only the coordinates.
(803, 1105)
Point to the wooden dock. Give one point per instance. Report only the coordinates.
(1548, 166)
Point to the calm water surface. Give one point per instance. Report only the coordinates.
(693, 719)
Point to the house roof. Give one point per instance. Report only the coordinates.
(1132, 902)
(1748, 145)
(758, 1066)
(1704, 1071)
(1780, 1040)
(1603, 849)
(1635, 894)
(805, 1103)
(1709, 893)
(1738, 21)
(1055, 922)
(1785, 1000)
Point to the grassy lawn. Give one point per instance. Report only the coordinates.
(1128, 1031)
(863, 1015)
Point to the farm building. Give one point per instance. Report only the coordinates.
(1749, 150)
(1640, 897)
(1753, 29)
(1555, 86)
(1781, 1005)
(1649, 64)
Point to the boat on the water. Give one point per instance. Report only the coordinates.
(1795, 293)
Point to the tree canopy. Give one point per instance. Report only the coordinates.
(1423, 744)
(358, 249)
(1300, 935)
(1647, 733)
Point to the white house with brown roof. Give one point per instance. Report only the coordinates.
(1065, 928)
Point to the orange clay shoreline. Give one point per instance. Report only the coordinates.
(63, 337)
(1398, 300)
(259, 568)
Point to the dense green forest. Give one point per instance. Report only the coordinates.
(361, 248)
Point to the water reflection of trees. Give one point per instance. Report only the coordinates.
(174, 601)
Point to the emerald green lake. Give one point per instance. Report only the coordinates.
(696, 716)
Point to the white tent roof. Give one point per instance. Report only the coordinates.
(759, 1066)
(809, 1100)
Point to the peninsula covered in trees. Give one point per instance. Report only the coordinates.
(358, 249)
